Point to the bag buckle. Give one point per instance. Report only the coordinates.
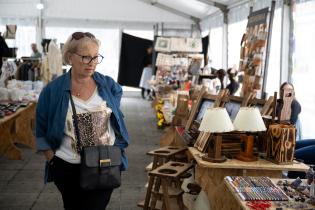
(105, 161)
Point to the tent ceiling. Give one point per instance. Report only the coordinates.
(195, 8)
(124, 11)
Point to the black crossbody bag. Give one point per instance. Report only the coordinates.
(100, 164)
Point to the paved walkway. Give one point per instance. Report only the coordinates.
(21, 181)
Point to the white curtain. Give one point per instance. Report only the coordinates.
(303, 63)
(273, 76)
(109, 45)
(235, 33)
(215, 47)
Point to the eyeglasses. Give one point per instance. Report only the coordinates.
(88, 59)
(80, 35)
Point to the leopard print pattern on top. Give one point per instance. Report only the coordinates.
(93, 128)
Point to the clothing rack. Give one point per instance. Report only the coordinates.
(29, 69)
(30, 59)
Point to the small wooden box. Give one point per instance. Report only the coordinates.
(281, 143)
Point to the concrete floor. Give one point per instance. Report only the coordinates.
(21, 181)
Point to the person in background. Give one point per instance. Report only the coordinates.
(295, 108)
(233, 85)
(221, 75)
(55, 136)
(146, 73)
(35, 52)
(305, 152)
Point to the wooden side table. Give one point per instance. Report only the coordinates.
(210, 176)
(17, 128)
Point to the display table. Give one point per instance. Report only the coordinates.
(210, 176)
(242, 204)
(17, 128)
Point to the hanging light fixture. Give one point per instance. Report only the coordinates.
(40, 6)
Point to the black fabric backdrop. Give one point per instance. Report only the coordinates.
(4, 50)
(132, 53)
(205, 44)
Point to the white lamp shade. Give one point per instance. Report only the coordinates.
(249, 119)
(216, 120)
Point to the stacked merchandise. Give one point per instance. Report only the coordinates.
(256, 188)
(21, 91)
(253, 47)
(177, 61)
(29, 69)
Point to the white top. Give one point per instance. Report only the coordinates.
(67, 150)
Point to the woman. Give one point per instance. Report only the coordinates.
(146, 73)
(91, 91)
(295, 108)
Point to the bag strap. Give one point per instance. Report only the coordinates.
(75, 122)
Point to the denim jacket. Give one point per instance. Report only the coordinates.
(52, 109)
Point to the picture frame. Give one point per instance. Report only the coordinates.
(162, 44)
(202, 141)
(218, 101)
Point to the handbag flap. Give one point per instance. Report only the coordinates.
(102, 155)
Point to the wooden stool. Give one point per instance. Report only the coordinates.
(161, 156)
(165, 154)
(165, 174)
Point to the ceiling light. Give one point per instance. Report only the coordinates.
(40, 6)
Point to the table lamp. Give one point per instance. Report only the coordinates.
(249, 120)
(215, 121)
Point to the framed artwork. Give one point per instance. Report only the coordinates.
(218, 101)
(178, 44)
(202, 141)
(194, 45)
(205, 104)
(163, 44)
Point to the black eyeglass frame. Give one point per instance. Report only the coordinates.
(91, 58)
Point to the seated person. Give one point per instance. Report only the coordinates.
(233, 85)
(295, 108)
(304, 150)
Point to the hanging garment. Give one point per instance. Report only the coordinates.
(44, 73)
(10, 32)
(145, 78)
(54, 59)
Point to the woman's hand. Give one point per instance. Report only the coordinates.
(49, 154)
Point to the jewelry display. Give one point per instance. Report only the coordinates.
(298, 192)
(256, 188)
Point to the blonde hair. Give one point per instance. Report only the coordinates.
(72, 45)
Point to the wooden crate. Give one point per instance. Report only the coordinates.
(281, 143)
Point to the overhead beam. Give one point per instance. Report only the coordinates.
(221, 6)
(172, 10)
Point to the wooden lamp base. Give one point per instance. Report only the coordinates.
(243, 157)
(214, 151)
(214, 159)
(247, 155)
